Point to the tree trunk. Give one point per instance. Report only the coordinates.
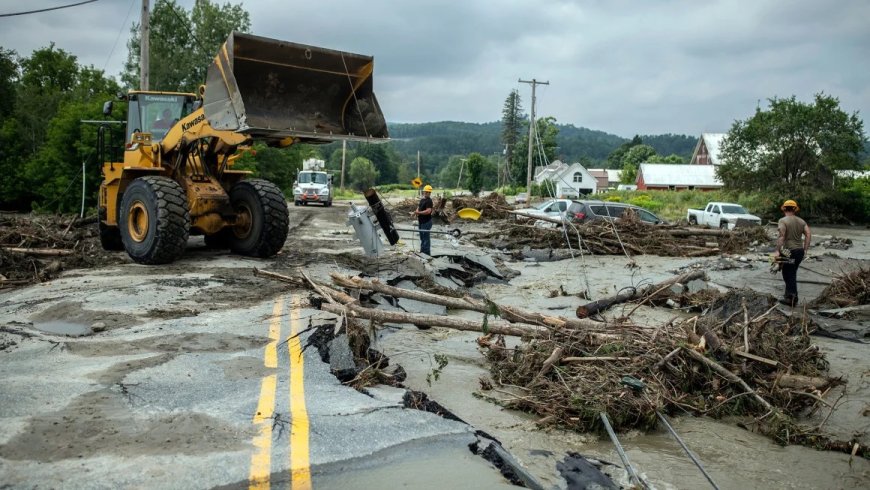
(493, 326)
(509, 313)
(600, 305)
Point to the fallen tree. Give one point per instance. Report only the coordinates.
(596, 307)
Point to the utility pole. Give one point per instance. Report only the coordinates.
(343, 155)
(144, 48)
(533, 83)
(418, 164)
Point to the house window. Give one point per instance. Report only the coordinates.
(578, 177)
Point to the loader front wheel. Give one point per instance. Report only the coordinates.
(262, 218)
(155, 220)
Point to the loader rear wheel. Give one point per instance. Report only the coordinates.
(262, 220)
(110, 236)
(155, 220)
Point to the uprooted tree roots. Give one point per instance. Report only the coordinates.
(848, 289)
(628, 235)
(743, 358)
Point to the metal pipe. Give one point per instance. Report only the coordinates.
(631, 473)
(686, 449)
(456, 232)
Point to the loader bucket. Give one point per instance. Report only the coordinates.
(275, 89)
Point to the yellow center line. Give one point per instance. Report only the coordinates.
(261, 460)
(300, 473)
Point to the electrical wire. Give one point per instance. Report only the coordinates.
(118, 37)
(48, 9)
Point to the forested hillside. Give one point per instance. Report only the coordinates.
(438, 139)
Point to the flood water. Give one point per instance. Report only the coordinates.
(734, 457)
(61, 327)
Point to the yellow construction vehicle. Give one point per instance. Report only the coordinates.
(176, 178)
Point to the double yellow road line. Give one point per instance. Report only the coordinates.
(261, 460)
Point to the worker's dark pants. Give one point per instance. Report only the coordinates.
(789, 274)
(425, 237)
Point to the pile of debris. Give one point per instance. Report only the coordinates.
(493, 206)
(847, 289)
(742, 356)
(36, 248)
(628, 235)
(837, 243)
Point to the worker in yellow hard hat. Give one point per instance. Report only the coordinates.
(791, 247)
(423, 213)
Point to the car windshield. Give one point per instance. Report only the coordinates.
(543, 206)
(312, 178)
(733, 209)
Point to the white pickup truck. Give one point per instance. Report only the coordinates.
(723, 215)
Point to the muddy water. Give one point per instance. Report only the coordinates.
(734, 457)
(61, 327)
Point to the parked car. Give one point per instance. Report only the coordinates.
(582, 211)
(723, 215)
(522, 198)
(553, 208)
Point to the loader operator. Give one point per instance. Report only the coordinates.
(424, 220)
(790, 249)
(165, 121)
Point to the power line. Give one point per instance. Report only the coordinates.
(48, 9)
(120, 31)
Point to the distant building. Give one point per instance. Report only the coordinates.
(569, 180)
(663, 176)
(601, 181)
(612, 178)
(707, 150)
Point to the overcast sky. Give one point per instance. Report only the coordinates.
(624, 67)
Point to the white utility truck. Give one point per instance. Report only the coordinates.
(723, 215)
(313, 184)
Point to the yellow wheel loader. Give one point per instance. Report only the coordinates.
(175, 178)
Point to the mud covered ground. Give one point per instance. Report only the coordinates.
(206, 282)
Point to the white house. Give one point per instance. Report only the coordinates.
(569, 180)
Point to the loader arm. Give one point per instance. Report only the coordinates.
(195, 126)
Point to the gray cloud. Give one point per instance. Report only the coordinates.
(619, 66)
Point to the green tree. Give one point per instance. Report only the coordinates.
(672, 158)
(544, 150)
(47, 78)
(793, 148)
(628, 174)
(278, 165)
(182, 44)
(382, 159)
(8, 80)
(511, 123)
(614, 160)
(638, 154)
(476, 165)
(363, 173)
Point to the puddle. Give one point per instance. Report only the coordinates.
(61, 327)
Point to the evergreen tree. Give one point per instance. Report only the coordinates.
(511, 122)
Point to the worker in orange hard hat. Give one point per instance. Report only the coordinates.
(791, 247)
(423, 213)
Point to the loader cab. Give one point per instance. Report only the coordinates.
(156, 112)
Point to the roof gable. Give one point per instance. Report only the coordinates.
(709, 144)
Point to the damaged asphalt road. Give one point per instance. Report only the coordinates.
(148, 377)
